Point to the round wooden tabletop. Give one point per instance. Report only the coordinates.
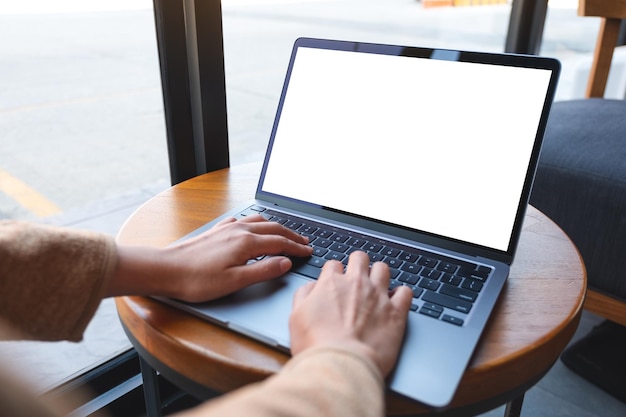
(534, 319)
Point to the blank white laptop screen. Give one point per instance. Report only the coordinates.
(434, 145)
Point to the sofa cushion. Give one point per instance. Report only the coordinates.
(581, 185)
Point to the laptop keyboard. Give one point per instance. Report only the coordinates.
(444, 288)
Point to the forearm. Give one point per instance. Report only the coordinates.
(143, 271)
(51, 279)
(318, 382)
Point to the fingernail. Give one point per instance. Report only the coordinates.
(285, 264)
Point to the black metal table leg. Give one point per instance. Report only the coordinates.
(150, 389)
(514, 408)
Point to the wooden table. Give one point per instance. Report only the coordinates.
(533, 321)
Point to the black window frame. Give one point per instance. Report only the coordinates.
(191, 54)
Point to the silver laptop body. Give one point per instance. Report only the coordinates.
(412, 150)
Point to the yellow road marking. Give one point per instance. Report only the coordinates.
(28, 197)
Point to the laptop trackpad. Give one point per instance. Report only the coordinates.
(260, 311)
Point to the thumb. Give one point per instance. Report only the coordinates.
(263, 270)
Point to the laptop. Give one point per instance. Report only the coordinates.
(424, 158)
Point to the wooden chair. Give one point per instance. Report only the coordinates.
(581, 178)
(611, 13)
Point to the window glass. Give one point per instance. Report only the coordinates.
(82, 140)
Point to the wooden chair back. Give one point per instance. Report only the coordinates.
(611, 13)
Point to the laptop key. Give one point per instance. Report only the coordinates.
(460, 293)
(483, 271)
(338, 237)
(433, 307)
(429, 284)
(307, 229)
(389, 251)
(308, 270)
(355, 242)
(447, 301)
(417, 292)
(277, 219)
(427, 262)
(474, 274)
(319, 251)
(324, 243)
(408, 256)
(316, 261)
(472, 284)
(293, 225)
(447, 267)
(372, 247)
(336, 256)
(431, 273)
(249, 212)
(450, 279)
(411, 268)
(323, 233)
(451, 319)
(392, 262)
(375, 257)
(430, 313)
(409, 278)
(339, 247)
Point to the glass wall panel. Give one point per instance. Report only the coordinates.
(82, 140)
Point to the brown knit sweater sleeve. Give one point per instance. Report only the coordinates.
(318, 382)
(51, 279)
